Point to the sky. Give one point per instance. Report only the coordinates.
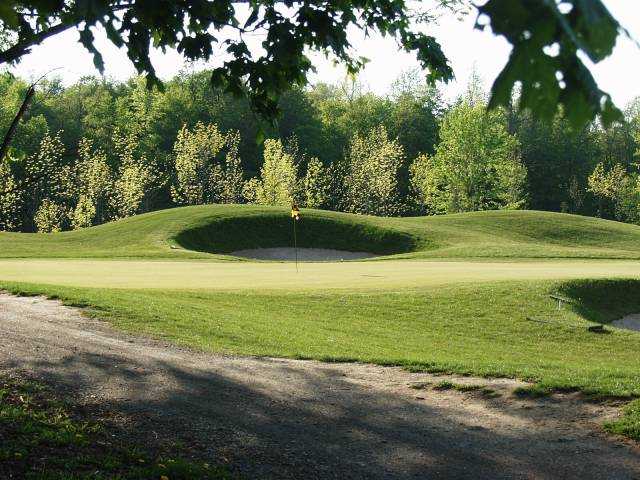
(468, 49)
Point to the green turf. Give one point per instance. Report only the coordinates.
(198, 231)
(390, 275)
(602, 300)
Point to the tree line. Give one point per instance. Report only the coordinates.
(100, 150)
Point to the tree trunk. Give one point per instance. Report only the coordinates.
(6, 143)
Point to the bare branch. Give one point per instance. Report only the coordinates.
(16, 120)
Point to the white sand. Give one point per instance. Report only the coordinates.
(304, 254)
(630, 322)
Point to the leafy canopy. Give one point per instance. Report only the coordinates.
(546, 38)
(289, 30)
(476, 166)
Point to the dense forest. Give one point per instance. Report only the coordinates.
(100, 150)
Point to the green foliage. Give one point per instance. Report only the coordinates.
(231, 175)
(607, 184)
(424, 183)
(86, 109)
(10, 198)
(613, 185)
(42, 200)
(324, 120)
(198, 166)
(84, 213)
(33, 127)
(278, 184)
(476, 165)
(194, 29)
(94, 186)
(372, 169)
(136, 178)
(316, 185)
(414, 114)
(546, 39)
(558, 159)
(49, 217)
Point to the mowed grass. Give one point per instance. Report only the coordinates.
(391, 275)
(494, 329)
(211, 231)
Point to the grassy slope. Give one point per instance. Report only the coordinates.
(478, 329)
(510, 234)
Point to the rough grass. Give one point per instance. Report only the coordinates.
(629, 424)
(200, 230)
(44, 438)
(480, 329)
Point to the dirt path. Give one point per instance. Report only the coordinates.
(297, 419)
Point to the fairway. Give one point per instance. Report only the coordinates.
(233, 276)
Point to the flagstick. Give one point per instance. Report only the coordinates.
(295, 242)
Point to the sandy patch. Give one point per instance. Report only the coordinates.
(304, 254)
(629, 322)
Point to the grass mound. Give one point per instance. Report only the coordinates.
(201, 231)
(602, 300)
(273, 229)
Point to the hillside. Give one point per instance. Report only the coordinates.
(210, 231)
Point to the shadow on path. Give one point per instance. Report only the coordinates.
(295, 419)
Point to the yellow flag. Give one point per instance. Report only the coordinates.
(295, 212)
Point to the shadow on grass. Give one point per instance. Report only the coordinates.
(225, 235)
(602, 301)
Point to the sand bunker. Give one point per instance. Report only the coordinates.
(630, 322)
(304, 254)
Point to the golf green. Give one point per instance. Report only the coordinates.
(233, 276)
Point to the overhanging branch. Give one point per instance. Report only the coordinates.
(22, 47)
